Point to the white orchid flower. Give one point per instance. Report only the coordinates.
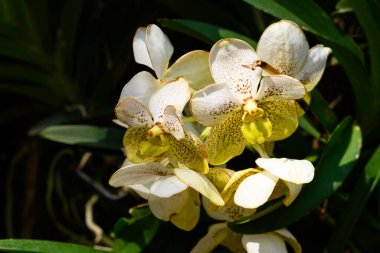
(152, 108)
(256, 189)
(172, 193)
(283, 49)
(220, 234)
(151, 47)
(239, 109)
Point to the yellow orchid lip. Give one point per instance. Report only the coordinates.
(155, 131)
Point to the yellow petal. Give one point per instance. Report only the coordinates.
(216, 234)
(188, 152)
(188, 217)
(228, 212)
(200, 183)
(283, 117)
(226, 140)
(219, 177)
(194, 67)
(307, 100)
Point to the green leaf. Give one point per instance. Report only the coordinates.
(367, 12)
(135, 233)
(365, 185)
(307, 125)
(38, 246)
(337, 160)
(205, 32)
(320, 107)
(85, 135)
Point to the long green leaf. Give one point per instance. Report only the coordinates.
(320, 107)
(85, 135)
(365, 185)
(205, 32)
(39, 246)
(338, 159)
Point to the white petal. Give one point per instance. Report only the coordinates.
(294, 191)
(167, 186)
(160, 49)
(194, 67)
(131, 112)
(143, 190)
(227, 58)
(140, 50)
(165, 208)
(295, 171)
(201, 184)
(138, 174)
(312, 71)
(171, 123)
(280, 87)
(215, 235)
(283, 45)
(213, 104)
(255, 190)
(289, 238)
(176, 93)
(264, 243)
(140, 87)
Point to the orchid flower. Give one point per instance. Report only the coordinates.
(283, 49)
(255, 189)
(152, 108)
(151, 47)
(172, 193)
(252, 243)
(238, 108)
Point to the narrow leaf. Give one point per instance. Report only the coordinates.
(85, 135)
(38, 246)
(205, 32)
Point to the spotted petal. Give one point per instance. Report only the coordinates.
(136, 145)
(140, 87)
(193, 67)
(139, 174)
(160, 49)
(213, 104)
(228, 58)
(226, 140)
(167, 186)
(312, 71)
(280, 87)
(295, 171)
(171, 123)
(267, 242)
(201, 184)
(188, 152)
(284, 46)
(255, 190)
(176, 93)
(283, 117)
(131, 112)
(140, 50)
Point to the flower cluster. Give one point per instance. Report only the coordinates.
(242, 97)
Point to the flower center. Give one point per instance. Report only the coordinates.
(155, 131)
(250, 107)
